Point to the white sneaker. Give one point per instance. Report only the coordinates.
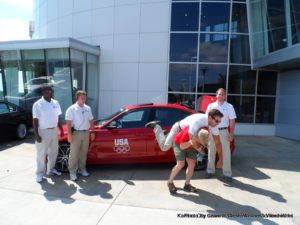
(39, 178)
(84, 173)
(73, 176)
(54, 172)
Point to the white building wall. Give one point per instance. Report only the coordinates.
(134, 39)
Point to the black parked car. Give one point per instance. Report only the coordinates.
(14, 121)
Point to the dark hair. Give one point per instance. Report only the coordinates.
(215, 112)
(46, 88)
(78, 93)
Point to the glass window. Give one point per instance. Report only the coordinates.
(239, 18)
(211, 77)
(265, 108)
(185, 17)
(213, 48)
(1, 83)
(168, 117)
(239, 49)
(59, 72)
(3, 108)
(267, 83)
(92, 82)
(244, 108)
(183, 47)
(215, 17)
(183, 99)
(241, 80)
(276, 25)
(295, 20)
(182, 77)
(78, 67)
(133, 119)
(12, 76)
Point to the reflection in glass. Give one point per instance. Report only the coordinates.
(239, 18)
(241, 80)
(58, 64)
(213, 48)
(183, 47)
(295, 20)
(11, 76)
(182, 77)
(239, 49)
(78, 65)
(244, 108)
(185, 17)
(92, 82)
(267, 83)
(184, 99)
(215, 17)
(211, 77)
(265, 108)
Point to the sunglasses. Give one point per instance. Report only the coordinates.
(217, 121)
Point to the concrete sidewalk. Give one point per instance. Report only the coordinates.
(265, 190)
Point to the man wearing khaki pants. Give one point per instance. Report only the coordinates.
(79, 121)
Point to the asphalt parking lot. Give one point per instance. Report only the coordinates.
(265, 190)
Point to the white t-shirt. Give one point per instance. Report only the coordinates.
(80, 116)
(46, 112)
(195, 122)
(226, 109)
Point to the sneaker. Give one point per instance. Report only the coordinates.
(172, 188)
(73, 176)
(53, 172)
(189, 188)
(208, 175)
(228, 179)
(84, 173)
(39, 178)
(152, 124)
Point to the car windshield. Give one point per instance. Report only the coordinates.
(102, 121)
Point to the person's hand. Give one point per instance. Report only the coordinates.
(92, 136)
(230, 137)
(38, 138)
(70, 138)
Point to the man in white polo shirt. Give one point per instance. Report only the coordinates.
(79, 121)
(45, 113)
(228, 120)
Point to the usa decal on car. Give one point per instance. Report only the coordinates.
(121, 145)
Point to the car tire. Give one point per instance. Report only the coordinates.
(201, 165)
(21, 131)
(62, 160)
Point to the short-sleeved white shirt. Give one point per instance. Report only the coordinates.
(226, 109)
(46, 112)
(80, 116)
(195, 122)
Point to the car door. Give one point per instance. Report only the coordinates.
(124, 137)
(5, 119)
(167, 117)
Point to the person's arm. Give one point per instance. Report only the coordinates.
(35, 124)
(69, 128)
(92, 127)
(231, 129)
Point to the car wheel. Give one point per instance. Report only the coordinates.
(201, 164)
(62, 160)
(21, 131)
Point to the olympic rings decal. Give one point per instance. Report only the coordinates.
(122, 149)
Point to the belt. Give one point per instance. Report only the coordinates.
(223, 128)
(49, 128)
(80, 130)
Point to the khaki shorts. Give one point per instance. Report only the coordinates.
(183, 154)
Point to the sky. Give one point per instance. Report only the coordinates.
(14, 19)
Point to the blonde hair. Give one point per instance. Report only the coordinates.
(203, 136)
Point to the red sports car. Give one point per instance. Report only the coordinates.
(123, 138)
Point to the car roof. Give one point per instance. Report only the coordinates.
(154, 105)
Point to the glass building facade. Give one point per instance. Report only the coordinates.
(275, 25)
(209, 49)
(24, 72)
